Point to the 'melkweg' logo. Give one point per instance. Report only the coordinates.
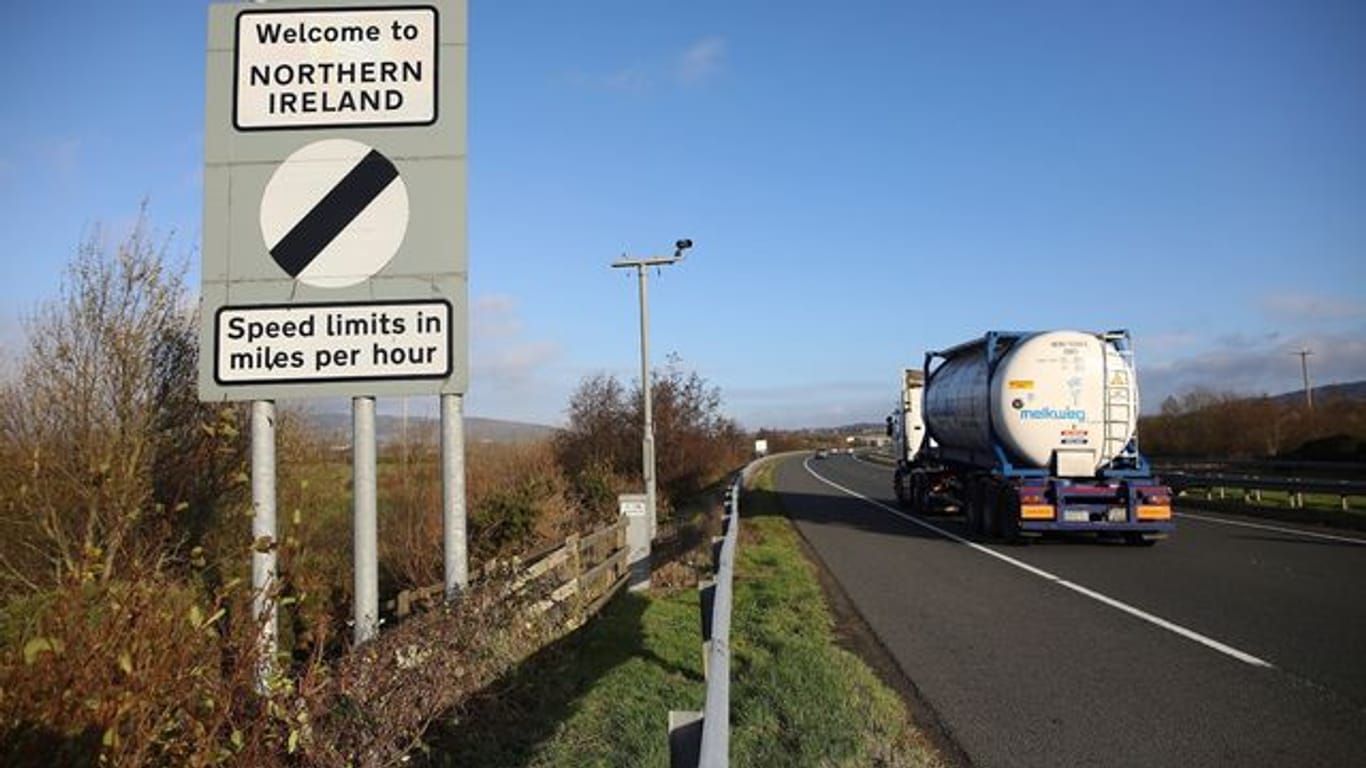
(1052, 414)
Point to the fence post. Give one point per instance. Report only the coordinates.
(571, 546)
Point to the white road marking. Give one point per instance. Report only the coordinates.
(1276, 528)
(1157, 621)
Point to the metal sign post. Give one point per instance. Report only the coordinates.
(365, 520)
(264, 536)
(453, 517)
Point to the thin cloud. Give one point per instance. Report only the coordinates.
(500, 355)
(699, 63)
(631, 79)
(1307, 307)
(1267, 365)
(494, 316)
(702, 61)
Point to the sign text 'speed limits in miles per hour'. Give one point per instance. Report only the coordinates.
(333, 342)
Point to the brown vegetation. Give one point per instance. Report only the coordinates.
(1205, 424)
(126, 635)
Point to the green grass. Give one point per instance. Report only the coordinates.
(797, 698)
(601, 697)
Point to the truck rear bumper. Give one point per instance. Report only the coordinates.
(1042, 526)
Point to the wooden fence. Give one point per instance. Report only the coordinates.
(584, 572)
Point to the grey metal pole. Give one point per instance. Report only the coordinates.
(453, 518)
(364, 519)
(647, 448)
(263, 534)
(1304, 369)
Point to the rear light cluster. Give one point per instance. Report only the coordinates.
(1033, 505)
(1154, 504)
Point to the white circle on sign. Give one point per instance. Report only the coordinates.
(334, 213)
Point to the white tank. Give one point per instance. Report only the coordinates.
(1060, 392)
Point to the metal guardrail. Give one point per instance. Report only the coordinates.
(702, 739)
(1296, 487)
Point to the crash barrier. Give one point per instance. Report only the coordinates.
(702, 739)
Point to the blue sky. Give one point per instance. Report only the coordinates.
(863, 180)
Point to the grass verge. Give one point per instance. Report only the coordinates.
(601, 697)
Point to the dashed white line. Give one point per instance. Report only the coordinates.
(1157, 621)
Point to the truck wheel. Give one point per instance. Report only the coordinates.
(996, 524)
(897, 488)
(920, 486)
(1008, 513)
(973, 502)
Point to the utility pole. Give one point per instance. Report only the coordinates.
(1304, 369)
(647, 448)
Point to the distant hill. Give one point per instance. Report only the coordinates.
(1355, 390)
(390, 428)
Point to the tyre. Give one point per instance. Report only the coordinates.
(973, 501)
(991, 508)
(920, 493)
(1008, 513)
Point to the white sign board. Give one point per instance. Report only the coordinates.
(333, 342)
(634, 504)
(335, 67)
(335, 258)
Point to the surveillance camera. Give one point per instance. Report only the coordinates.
(683, 244)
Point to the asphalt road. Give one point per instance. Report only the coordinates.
(1225, 645)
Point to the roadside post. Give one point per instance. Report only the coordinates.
(634, 507)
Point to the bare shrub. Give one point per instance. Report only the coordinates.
(109, 458)
(600, 450)
(381, 698)
(411, 537)
(518, 498)
(132, 673)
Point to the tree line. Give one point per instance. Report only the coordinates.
(1223, 425)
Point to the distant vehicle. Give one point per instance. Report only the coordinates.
(821, 453)
(1028, 433)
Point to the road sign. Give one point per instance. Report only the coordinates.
(334, 213)
(334, 256)
(335, 67)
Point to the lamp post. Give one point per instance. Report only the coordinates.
(647, 448)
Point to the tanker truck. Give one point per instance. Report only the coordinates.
(1029, 433)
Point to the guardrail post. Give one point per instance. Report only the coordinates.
(685, 738)
(706, 593)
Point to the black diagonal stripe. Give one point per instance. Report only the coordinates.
(297, 249)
